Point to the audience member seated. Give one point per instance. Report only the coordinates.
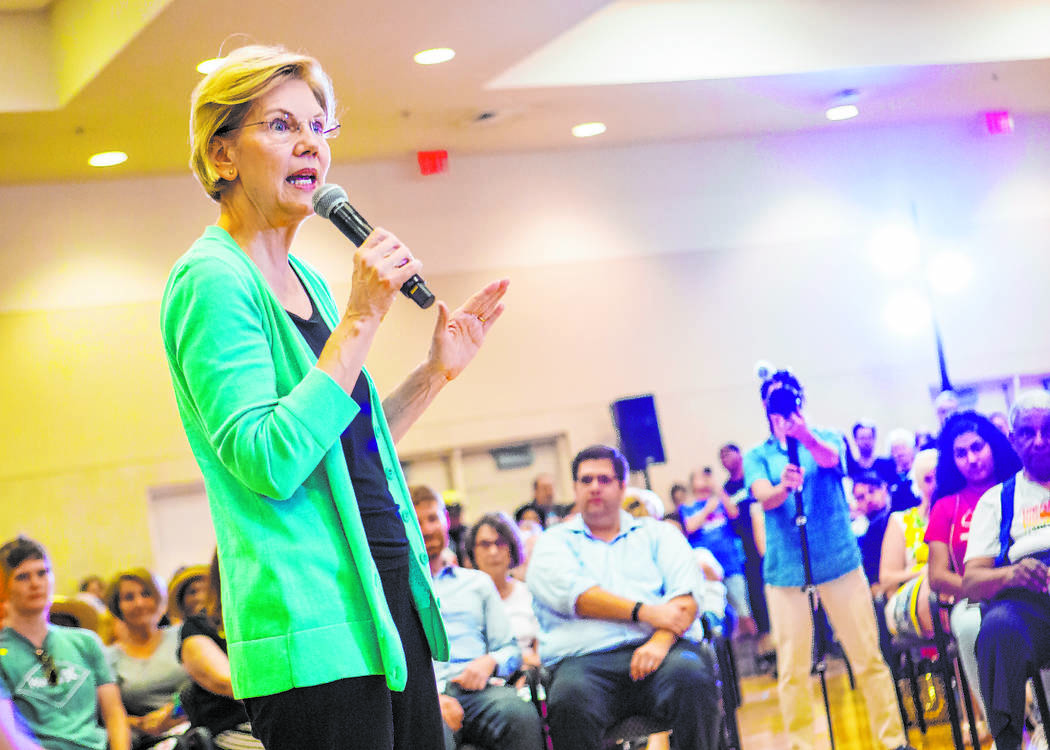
(144, 660)
(901, 444)
(45, 666)
(743, 526)
(972, 457)
(705, 520)
(903, 576)
(1001, 422)
(476, 703)
(1006, 566)
(643, 503)
(945, 405)
(617, 599)
(14, 735)
(871, 505)
(864, 434)
(187, 593)
(494, 546)
(528, 514)
(208, 700)
(543, 500)
(92, 590)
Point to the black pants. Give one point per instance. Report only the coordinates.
(1014, 638)
(497, 718)
(361, 712)
(591, 693)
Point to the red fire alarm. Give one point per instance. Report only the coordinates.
(432, 162)
(999, 123)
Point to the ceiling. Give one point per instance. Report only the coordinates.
(88, 77)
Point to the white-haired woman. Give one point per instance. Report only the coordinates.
(329, 614)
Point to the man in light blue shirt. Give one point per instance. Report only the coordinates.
(476, 704)
(616, 598)
(838, 575)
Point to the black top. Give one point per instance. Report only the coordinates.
(379, 513)
(871, 543)
(883, 466)
(742, 525)
(203, 708)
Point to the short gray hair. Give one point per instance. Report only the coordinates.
(900, 435)
(1036, 398)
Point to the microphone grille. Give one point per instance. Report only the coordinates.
(328, 197)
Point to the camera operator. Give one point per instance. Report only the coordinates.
(835, 561)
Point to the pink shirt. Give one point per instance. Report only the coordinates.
(950, 523)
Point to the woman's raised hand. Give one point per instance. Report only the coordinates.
(459, 335)
(381, 265)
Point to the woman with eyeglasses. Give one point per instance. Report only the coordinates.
(328, 608)
(57, 676)
(973, 456)
(494, 546)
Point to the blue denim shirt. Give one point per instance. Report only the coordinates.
(649, 561)
(832, 546)
(476, 623)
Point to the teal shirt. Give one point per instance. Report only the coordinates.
(832, 546)
(303, 603)
(63, 716)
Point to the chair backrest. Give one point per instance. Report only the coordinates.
(73, 612)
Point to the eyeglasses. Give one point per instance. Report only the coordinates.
(487, 544)
(284, 127)
(48, 663)
(603, 480)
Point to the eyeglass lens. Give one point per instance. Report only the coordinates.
(602, 479)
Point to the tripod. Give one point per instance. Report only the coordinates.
(816, 607)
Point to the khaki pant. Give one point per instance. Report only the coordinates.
(847, 601)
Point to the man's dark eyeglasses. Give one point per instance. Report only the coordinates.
(48, 663)
(602, 479)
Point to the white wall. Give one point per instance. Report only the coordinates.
(665, 268)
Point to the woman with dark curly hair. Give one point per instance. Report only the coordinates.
(973, 457)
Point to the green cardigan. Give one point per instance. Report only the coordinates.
(302, 600)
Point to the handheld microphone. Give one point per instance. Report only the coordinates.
(792, 446)
(331, 202)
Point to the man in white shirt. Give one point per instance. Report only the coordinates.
(1006, 566)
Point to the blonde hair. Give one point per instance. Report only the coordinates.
(221, 101)
(925, 462)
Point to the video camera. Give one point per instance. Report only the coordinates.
(782, 394)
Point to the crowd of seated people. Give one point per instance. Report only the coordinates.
(164, 667)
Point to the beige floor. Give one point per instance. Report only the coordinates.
(760, 725)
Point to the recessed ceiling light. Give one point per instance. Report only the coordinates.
(843, 106)
(587, 129)
(434, 56)
(842, 112)
(108, 159)
(208, 66)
